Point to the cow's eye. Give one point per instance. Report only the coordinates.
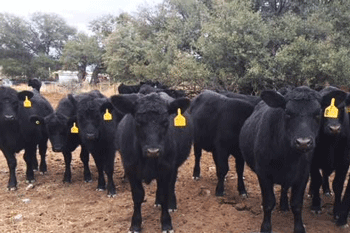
(164, 122)
(318, 116)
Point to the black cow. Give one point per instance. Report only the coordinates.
(129, 89)
(217, 121)
(147, 89)
(17, 132)
(152, 148)
(35, 84)
(59, 124)
(277, 142)
(97, 133)
(344, 207)
(331, 152)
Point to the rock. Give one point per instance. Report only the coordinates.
(26, 200)
(204, 192)
(240, 206)
(30, 186)
(18, 217)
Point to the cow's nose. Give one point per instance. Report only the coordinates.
(57, 149)
(9, 117)
(335, 129)
(90, 136)
(303, 143)
(153, 152)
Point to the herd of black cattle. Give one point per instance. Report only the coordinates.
(284, 136)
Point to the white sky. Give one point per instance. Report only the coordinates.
(77, 13)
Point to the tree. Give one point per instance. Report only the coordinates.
(80, 52)
(29, 47)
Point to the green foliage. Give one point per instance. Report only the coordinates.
(238, 45)
(30, 48)
(81, 52)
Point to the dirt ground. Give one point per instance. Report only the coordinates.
(52, 206)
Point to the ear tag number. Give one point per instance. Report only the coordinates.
(179, 120)
(27, 103)
(331, 111)
(74, 129)
(107, 116)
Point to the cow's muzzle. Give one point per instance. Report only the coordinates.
(303, 144)
(152, 152)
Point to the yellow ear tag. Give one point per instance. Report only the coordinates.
(74, 129)
(37, 122)
(331, 111)
(27, 103)
(179, 120)
(107, 116)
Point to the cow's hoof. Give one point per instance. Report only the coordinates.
(157, 205)
(111, 195)
(316, 212)
(244, 195)
(328, 194)
(30, 181)
(195, 177)
(12, 188)
(168, 231)
(88, 181)
(172, 210)
(100, 190)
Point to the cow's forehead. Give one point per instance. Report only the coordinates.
(7, 93)
(303, 106)
(151, 104)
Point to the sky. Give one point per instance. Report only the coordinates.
(77, 13)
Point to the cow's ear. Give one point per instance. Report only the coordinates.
(72, 100)
(273, 99)
(182, 103)
(338, 95)
(37, 120)
(23, 94)
(125, 103)
(71, 121)
(347, 99)
(106, 105)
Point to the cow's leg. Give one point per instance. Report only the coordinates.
(269, 202)
(296, 204)
(315, 184)
(35, 163)
(138, 195)
(338, 184)
(220, 156)
(12, 164)
(42, 152)
(284, 199)
(172, 197)
(84, 157)
(109, 169)
(344, 207)
(101, 184)
(30, 152)
(67, 177)
(240, 169)
(197, 155)
(325, 185)
(164, 187)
